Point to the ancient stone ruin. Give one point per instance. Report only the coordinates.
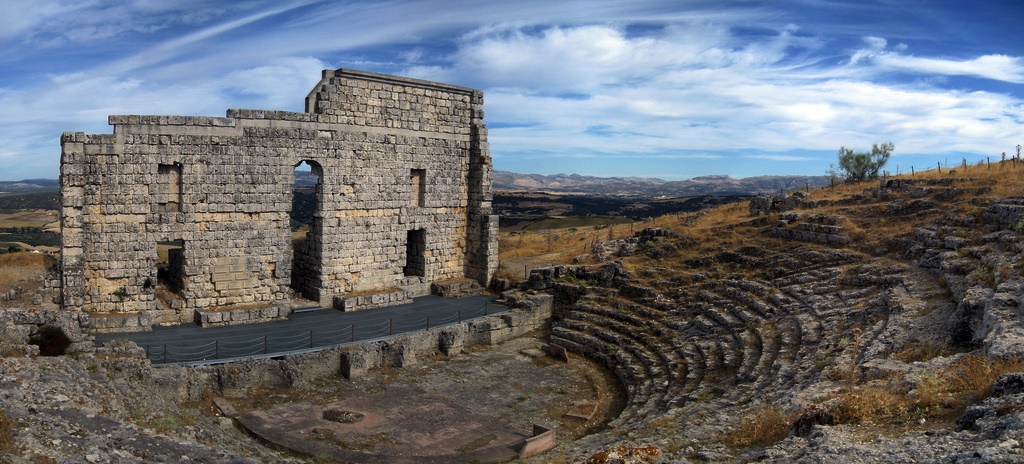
(403, 202)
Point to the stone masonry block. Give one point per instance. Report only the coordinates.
(221, 190)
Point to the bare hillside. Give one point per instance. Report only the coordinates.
(865, 320)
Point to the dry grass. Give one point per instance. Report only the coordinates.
(34, 218)
(944, 394)
(871, 225)
(875, 403)
(6, 434)
(557, 246)
(762, 426)
(964, 382)
(23, 269)
(917, 350)
(26, 260)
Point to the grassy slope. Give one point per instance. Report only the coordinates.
(880, 234)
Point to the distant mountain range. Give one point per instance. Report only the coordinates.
(652, 187)
(29, 186)
(566, 184)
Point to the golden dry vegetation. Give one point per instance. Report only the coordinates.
(898, 402)
(24, 269)
(731, 225)
(35, 218)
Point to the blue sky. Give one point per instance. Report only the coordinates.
(669, 89)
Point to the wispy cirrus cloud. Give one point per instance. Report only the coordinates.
(657, 93)
(692, 88)
(996, 67)
(51, 23)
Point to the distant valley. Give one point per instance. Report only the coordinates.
(524, 200)
(653, 187)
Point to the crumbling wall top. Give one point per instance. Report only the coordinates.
(399, 80)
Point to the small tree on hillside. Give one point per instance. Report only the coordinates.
(855, 167)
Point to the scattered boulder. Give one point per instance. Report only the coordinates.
(767, 204)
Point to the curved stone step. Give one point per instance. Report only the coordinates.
(652, 350)
(629, 374)
(771, 343)
(753, 345)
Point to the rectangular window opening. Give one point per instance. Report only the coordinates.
(418, 179)
(168, 188)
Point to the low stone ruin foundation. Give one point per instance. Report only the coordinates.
(403, 201)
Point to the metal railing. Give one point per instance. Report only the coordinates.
(285, 342)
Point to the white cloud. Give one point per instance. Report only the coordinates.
(652, 94)
(779, 157)
(18, 17)
(33, 121)
(174, 48)
(637, 81)
(51, 23)
(996, 67)
(876, 43)
(280, 85)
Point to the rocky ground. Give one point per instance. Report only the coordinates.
(871, 324)
(880, 323)
(103, 407)
(108, 404)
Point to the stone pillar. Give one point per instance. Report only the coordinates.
(72, 181)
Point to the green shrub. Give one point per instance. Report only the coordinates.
(52, 341)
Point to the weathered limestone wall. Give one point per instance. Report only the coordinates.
(394, 155)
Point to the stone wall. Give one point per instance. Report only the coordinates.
(393, 155)
(193, 383)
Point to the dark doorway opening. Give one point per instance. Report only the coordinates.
(416, 253)
(170, 266)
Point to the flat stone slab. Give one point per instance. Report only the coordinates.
(478, 407)
(533, 353)
(445, 430)
(583, 410)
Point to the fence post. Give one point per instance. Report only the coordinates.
(911, 171)
(940, 166)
